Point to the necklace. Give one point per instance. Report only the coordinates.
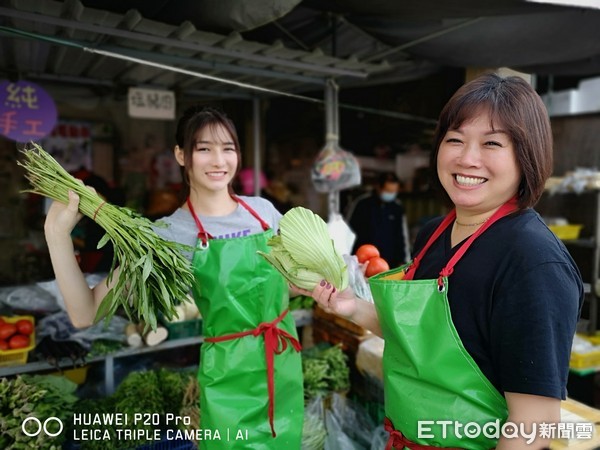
(470, 224)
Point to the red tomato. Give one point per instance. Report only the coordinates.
(7, 330)
(24, 326)
(365, 252)
(376, 265)
(18, 341)
(3, 344)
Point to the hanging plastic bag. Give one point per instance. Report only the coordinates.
(341, 234)
(335, 169)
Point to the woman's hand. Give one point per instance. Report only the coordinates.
(346, 305)
(331, 300)
(61, 218)
(295, 291)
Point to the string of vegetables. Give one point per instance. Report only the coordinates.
(154, 274)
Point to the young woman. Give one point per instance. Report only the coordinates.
(250, 369)
(478, 327)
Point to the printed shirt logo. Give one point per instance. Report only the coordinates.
(235, 234)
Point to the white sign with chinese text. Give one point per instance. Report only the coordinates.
(151, 104)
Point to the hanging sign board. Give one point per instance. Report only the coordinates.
(27, 112)
(151, 104)
(70, 144)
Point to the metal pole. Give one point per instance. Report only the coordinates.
(256, 134)
(332, 137)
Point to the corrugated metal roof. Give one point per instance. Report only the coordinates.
(45, 40)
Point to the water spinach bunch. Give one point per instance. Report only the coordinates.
(154, 275)
(304, 252)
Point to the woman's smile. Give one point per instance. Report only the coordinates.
(469, 181)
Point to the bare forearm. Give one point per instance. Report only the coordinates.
(78, 297)
(366, 316)
(81, 301)
(529, 411)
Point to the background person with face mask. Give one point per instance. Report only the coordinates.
(378, 218)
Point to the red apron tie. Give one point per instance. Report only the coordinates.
(507, 208)
(399, 441)
(276, 341)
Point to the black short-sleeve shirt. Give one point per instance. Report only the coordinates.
(515, 299)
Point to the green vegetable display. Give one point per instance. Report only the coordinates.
(315, 373)
(101, 347)
(301, 302)
(325, 370)
(150, 391)
(304, 252)
(154, 273)
(34, 396)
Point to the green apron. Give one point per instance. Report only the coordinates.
(251, 386)
(428, 374)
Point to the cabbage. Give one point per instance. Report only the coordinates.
(304, 252)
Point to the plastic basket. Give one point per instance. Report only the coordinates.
(17, 356)
(584, 360)
(566, 232)
(184, 329)
(77, 375)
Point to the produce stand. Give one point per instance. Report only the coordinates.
(361, 399)
(109, 360)
(586, 413)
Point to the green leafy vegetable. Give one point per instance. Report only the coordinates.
(34, 396)
(143, 392)
(154, 273)
(301, 302)
(325, 369)
(304, 252)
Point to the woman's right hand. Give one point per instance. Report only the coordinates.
(61, 218)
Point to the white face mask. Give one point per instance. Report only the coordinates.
(388, 196)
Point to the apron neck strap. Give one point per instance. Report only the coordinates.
(204, 236)
(202, 233)
(506, 209)
(265, 226)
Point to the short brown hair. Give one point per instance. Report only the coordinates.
(513, 103)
